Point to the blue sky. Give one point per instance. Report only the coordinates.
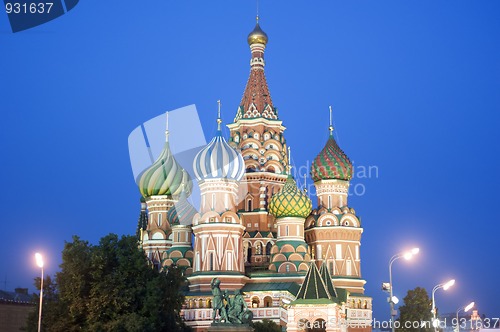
(414, 86)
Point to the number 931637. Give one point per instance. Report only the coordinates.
(28, 8)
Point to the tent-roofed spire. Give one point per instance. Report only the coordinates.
(256, 101)
(313, 287)
(327, 279)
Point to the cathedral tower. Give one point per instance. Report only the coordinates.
(290, 206)
(217, 228)
(258, 133)
(333, 230)
(160, 185)
(180, 218)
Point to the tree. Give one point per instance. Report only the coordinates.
(415, 314)
(266, 326)
(51, 307)
(112, 287)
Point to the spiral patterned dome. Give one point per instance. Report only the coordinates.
(331, 163)
(165, 176)
(218, 160)
(290, 201)
(182, 212)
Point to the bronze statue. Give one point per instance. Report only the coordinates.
(217, 302)
(235, 311)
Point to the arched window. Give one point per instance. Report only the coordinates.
(329, 202)
(249, 205)
(268, 302)
(213, 201)
(208, 303)
(249, 254)
(159, 220)
(255, 302)
(304, 325)
(268, 248)
(258, 249)
(210, 261)
(319, 325)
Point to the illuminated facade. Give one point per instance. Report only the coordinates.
(254, 228)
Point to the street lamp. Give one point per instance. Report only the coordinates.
(445, 286)
(39, 263)
(465, 309)
(392, 299)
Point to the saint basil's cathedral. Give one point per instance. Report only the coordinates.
(255, 230)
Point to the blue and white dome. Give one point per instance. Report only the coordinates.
(218, 160)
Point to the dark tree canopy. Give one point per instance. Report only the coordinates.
(415, 315)
(266, 326)
(110, 287)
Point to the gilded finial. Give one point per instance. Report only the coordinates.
(305, 183)
(257, 3)
(219, 120)
(289, 166)
(330, 128)
(166, 130)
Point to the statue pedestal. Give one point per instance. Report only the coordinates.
(228, 327)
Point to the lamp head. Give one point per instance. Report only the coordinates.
(395, 300)
(469, 307)
(449, 284)
(408, 256)
(415, 251)
(39, 260)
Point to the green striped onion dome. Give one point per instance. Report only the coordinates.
(331, 163)
(165, 176)
(290, 201)
(182, 212)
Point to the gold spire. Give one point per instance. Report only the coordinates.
(330, 128)
(219, 120)
(305, 183)
(289, 166)
(166, 130)
(257, 36)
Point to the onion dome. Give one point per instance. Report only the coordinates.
(182, 212)
(257, 36)
(218, 160)
(331, 162)
(165, 176)
(290, 201)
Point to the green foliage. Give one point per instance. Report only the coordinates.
(51, 307)
(266, 326)
(111, 287)
(416, 308)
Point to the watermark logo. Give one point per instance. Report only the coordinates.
(358, 183)
(186, 140)
(25, 15)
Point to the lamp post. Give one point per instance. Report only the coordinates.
(445, 286)
(392, 300)
(465, 309)
(39, 262)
